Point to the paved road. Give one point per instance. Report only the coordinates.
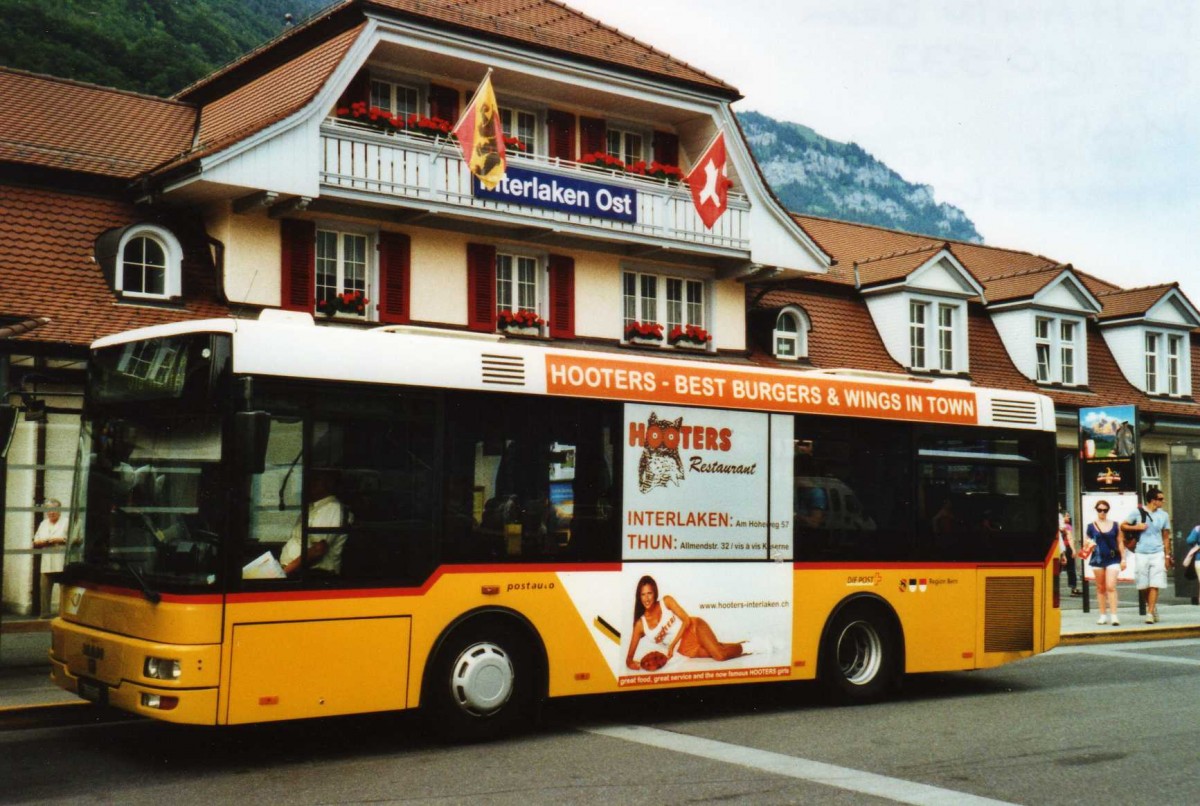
(1078, 723)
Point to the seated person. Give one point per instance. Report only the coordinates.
(325, 511)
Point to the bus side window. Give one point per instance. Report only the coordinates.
(275, 496)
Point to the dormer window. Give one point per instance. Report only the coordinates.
(790, 336)
(1056, 343)
(935, 336)
(1166, 364)
(150, 263)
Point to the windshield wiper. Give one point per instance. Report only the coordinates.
(152, 596)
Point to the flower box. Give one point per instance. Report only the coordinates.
(647, 333)
(350, 305)
(692, 337)
(519, 323)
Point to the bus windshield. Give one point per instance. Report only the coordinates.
(149, 500)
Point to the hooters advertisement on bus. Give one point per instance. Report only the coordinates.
(689, 623)
(697, 484)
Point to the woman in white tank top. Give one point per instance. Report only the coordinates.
(669, 629)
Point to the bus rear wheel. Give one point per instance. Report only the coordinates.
(479, 685)
(860, 654)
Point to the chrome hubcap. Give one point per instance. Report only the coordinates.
(859, 652)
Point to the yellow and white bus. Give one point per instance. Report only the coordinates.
(492, 521)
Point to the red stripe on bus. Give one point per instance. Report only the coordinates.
(889, 566)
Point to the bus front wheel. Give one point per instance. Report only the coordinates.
(860, 653)
(480, 683)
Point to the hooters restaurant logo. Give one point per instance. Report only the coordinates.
(661, 440)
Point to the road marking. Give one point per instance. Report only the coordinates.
(1111, 651)
(896, 789)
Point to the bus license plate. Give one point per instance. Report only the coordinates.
(93, 691)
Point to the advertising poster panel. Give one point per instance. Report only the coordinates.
(1108, 449)
(691, 622)
(697, 485)
(1120, 505)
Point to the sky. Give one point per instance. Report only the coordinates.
(1066, 128)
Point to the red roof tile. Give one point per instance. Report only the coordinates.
(894, 267)
(1133, 301)
(843, 334)
(68, 125)
(47, 240)
(546, 25)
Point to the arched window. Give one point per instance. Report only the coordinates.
(150, 260)
(790, 338)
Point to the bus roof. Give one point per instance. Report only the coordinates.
(291, 345)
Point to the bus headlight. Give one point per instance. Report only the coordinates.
(162, 669)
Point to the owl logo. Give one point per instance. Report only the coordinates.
(660, 464)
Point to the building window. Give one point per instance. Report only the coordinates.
(1151, 472)
(1056, 342)
(150, 263)
(945, 338)
(1174, 363)
(341, 264)
(624, 145)
(144, 267)
(1168, 364)
(1044, 348)
(935, 337)
(639, 298)
(683, 301)
(1066, 349)
(918, 312)
(522, 125)
(517, 283)
(395, 98)
(790, 337)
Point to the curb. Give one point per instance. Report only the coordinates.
(1118, 636)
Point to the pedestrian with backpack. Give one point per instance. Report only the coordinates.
(1152, 527)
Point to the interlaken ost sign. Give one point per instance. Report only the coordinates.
(565, 194)
(762, 391)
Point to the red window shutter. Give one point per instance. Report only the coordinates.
(443, 103)
(395, 268)
(359, 89)
(298, 248)
(481, 287)
(562, 297)
(561, 134)
(591, 135)
(666, 148)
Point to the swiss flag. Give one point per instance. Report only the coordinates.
(709, 183)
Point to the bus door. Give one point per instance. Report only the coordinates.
(340, 517)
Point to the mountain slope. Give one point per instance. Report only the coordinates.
(156, 47)
(814, 175)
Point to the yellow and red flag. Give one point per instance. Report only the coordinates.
(709, 183)
(481, 137)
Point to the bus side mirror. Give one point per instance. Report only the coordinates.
(251, 429)
(8, 426)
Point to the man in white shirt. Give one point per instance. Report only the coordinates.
(325, 511)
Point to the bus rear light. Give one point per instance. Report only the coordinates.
(159, 702)
(1056, 597)
(162, 669)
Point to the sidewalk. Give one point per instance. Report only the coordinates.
(25, 679)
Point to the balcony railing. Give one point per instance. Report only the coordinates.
(403, 166)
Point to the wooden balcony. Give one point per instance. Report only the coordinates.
(429, 173)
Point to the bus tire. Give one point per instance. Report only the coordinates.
(861, 656)
(480, 684)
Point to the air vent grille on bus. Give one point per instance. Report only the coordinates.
(1008, 614)
(503, 370)
(1017, 412)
